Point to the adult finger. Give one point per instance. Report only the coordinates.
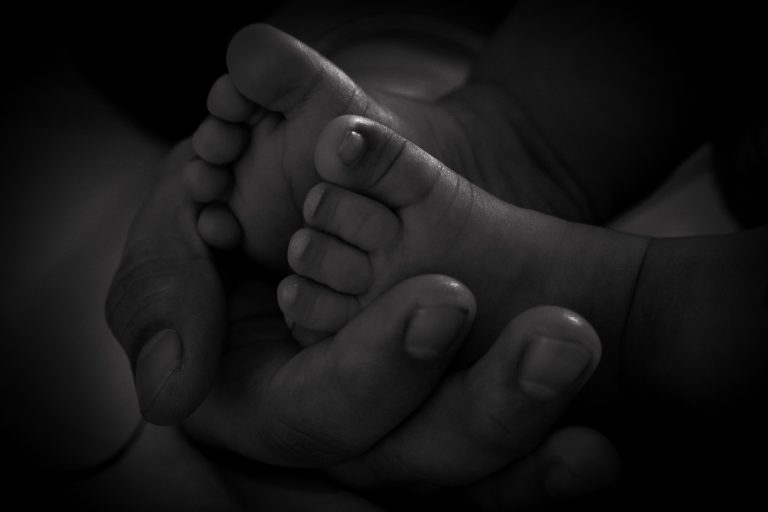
(277, 403)
(166, 304)
(574, 462)
(498, 410)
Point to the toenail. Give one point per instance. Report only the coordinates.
(351, 148)
(297, 246)
(288, 293)
(311, 202)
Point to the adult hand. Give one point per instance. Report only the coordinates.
(271, 400)
(169, 310)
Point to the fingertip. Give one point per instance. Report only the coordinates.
(307, 337)
(583, 462)
(424, 317)
(439, 288)
(551, 367)
(433, 332)
(574, 462)
(376, 378)
(559, 351)
(438, 321)
(563, 323)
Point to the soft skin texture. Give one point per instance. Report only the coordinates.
(582, 137)
(604, 154)
(266, 391)
(680, 318)
(395, 211)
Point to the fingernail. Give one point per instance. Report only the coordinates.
(432, 331)
(312, 201)
(158, 360)
(550, 367)
(351, 147)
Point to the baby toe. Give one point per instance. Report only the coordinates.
(358, 220)
(204, 182)
(365, 156)
(219, 142)
(280, 73)
(226, 102)
(313, 306)
(329, 261)
(218, 227)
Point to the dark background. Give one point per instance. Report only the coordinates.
(157, 65)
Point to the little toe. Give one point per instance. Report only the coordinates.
(278, 72)
(314, 307)
(356, 219)
(330, 261)
(204, 182)
(218, 227)
(363, 155)
(219, 142)
(226, 102)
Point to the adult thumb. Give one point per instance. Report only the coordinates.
(166, 304)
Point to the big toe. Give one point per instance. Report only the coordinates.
(363, 155)
(280, 73)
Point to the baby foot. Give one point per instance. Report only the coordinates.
(256, 150)
(387, 210)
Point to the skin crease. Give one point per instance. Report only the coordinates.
(168, 468)
(432, 205)
(252, 315)
(683, 383)
(681, 253)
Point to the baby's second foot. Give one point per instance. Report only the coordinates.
(387, 210)
(256, 150)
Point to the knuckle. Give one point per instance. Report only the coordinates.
(494, 427)
(392, 467)
(305, 442)
(137, 298)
